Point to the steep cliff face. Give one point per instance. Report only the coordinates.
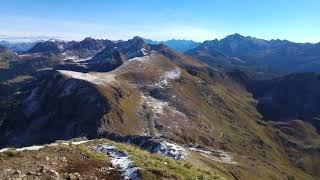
(56, 108)
(290, 97)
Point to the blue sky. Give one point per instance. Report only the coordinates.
(295, 20)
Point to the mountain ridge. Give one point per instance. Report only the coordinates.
(258, 55)
(176, 44)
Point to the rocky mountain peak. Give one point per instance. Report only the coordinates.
(137, 38)
(135, 47)
(235, 36)
(107, 60)
(91, 44)
(48, 46)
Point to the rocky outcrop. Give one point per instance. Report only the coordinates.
(106, 60)
(135, 47)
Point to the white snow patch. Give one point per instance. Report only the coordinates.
(238, 59)
(30, 148)
(75, 58)
(79, 142)
(167, 77)
(96, 78)
(156, 104)
(216, 155)
(144, 51)
(38, 147)
(140, 59)
(121, 159)
(5, 150)
(172, 150)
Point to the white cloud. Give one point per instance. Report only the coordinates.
(11, 26)
(26, 28)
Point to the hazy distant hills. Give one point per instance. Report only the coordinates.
(178, 45)
(18, 46)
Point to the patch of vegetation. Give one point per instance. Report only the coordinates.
(19, 79)
(91, 154)
(12, 153)
(155, 166)
(123, 115)
(4, 65)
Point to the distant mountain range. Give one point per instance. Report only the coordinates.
(261, 58)
(258, 55)
(18, 46)
(178, 45)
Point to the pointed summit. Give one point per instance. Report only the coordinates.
(135, 47)
(138, 38)
(235, 36)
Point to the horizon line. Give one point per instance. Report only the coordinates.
(30, 39)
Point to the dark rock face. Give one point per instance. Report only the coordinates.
(56, 108)
(293, 96)
(107, 60)
(71, 66)
(209, 54)
(145, 142)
